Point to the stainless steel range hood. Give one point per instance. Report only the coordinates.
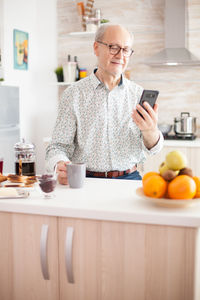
(175, 52)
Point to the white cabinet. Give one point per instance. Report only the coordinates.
(1, 38)
(192, 153)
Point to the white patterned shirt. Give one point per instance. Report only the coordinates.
(95, 126)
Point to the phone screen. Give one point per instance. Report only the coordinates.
(149, 96)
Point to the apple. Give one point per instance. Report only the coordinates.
(176, 160)
(163, 168)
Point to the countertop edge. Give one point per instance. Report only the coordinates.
(102, 215)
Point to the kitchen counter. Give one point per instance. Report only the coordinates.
(93, 234)
(168, 143)
(103, 199)
(182, 143)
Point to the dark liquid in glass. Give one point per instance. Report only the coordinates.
(28, 168)
(1, 166)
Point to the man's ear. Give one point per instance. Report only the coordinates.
(96, 48)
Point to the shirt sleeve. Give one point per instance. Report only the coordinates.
(61, 147)
(156, 148)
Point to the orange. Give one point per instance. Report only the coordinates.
(147, 175)
(182, 187)
(197, 181)
(154, 186)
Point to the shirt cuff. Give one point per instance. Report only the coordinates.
(51, 163)
(158, 146)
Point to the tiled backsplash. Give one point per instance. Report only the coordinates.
(179, 86)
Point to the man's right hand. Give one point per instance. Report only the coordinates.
(62, 172)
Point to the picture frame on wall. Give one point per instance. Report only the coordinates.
(20, 47)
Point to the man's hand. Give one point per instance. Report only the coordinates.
(148, 124)
(62, 172)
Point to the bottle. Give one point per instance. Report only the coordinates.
(98, 17)
(69, 70)
(77, 69)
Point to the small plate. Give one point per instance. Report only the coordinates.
(21, 194)
(18, 186)
(170, 203)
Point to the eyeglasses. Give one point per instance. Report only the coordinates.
(115, 49)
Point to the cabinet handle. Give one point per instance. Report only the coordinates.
(43, 251)
(68, 254)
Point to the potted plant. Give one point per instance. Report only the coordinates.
(59, 73)
(103, 21)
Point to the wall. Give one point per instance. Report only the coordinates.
(1, 34)
(38, 96)
(179, 86)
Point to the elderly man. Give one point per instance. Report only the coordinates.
(98, 121)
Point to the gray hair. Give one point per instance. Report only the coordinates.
(102, 29)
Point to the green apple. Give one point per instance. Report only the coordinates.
(163, 168)
(176, 160)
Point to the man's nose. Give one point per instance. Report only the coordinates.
(120, 53)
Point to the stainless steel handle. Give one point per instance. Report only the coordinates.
(43, 251)
(185, 114)
(68, 254)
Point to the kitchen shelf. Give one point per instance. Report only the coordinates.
(62, 83)
(79, 34)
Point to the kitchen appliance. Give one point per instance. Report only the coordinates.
(24, 158)
(179, 137)
(185, 125)
(175, 51)
(9, 125)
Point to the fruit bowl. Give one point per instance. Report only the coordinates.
(169, 203)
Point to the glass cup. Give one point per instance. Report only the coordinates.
(47, 184)
(1, 165)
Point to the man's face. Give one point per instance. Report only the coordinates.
(113, 64)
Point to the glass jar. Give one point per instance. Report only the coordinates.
(24, 158)
(91, 24)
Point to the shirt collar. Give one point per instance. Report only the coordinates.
(96, 82)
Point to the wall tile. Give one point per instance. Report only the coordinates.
(179, 86)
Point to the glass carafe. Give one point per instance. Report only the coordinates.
(25, 158)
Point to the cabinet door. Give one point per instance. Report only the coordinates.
(116, 260)
(28, 239)
(153, 162)
(194, 160)
(83, 238)
(5, 256)
(146, 262)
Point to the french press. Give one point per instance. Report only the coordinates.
(24, 158)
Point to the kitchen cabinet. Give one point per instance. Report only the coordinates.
(191, 151)
(5, 256)
(95, 259)
(21, 275)
(85, 283)
(114, 261)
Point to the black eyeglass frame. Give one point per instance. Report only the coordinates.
(120, 48)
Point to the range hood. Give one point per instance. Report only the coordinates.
(175, 52)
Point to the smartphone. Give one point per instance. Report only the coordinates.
(149, 96)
